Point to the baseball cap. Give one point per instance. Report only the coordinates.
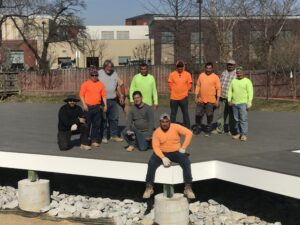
(239, 68)
(231, 61)
(179, 65)
(164, 116)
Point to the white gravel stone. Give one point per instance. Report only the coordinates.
(204, 204)
(135, 210)
(54, 204)
(11, 205)
(128, 201)
(194, 207)
(55, 193)
(53, 212)
(70, 208)
(238, 216)
(64, 214)
(94, 214)
(129, 212)
(212, 202)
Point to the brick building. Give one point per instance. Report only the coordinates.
(241, 43)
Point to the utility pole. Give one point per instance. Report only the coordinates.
(200, 28)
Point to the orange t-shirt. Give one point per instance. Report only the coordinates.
(179, 84)
(208, 87)
(92, 92)
(170, 141)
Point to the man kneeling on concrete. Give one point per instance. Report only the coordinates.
(140, 124)
(168, 148)
(71, 121)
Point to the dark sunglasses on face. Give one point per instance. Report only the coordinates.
(94, 75)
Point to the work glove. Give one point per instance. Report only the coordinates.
(74, 127)
(249, 105)
(182, 150)
(166, 161)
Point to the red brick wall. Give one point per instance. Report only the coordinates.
(29, 57)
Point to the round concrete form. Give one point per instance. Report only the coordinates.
(171, 211)
(33, 196)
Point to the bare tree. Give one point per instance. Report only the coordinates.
(224, 15)
(96, 48)
(267, 19)
(177, 13)
(142, 51)
(5, 61)
(285, 60)
(64, 25)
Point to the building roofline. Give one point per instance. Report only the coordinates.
(221, 17)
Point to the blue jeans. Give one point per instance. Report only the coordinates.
(140, 141)
(177, 157)
(110, 120)
(93, 118)
(240, 114)
(184, 106)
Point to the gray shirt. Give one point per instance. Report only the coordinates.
(110, 83)
(142, 119)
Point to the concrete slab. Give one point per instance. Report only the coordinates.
(32, 128)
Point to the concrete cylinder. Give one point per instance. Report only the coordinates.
(33, 196)
(171, 211)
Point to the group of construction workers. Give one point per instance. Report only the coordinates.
(100, 95)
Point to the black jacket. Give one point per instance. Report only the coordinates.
(68, 116)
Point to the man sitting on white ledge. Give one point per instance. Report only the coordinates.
(167, 148)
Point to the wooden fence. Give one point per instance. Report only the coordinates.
(69, 81)
(9, 84)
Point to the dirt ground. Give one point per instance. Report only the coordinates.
(9, 219)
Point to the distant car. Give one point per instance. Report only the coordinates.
(66, 65)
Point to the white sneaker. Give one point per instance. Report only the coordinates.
(85, 147)
(95, 144)
(104, 141)
(130, 148)
(116, 139)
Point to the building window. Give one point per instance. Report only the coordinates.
(123, 35)
(16, 60)
(167, 38)
(195, 48)
(92, 62)
(107, 35)
(285, 35)
(195, 37)
(65, 62)
(123, 60)
(226, 50)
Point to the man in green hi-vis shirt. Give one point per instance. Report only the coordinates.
(145, 83)
(240, 96)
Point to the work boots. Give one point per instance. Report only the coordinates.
(116, 139)
(149, 191)
(85, 147)
(188, 192)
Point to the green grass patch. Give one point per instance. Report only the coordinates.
(34, 99)
(164, 101)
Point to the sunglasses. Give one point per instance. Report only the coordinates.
(94, 75)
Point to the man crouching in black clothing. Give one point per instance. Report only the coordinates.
(71, 121)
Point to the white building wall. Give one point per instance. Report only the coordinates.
(135, 32)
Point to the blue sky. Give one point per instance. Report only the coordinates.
(111, 12)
